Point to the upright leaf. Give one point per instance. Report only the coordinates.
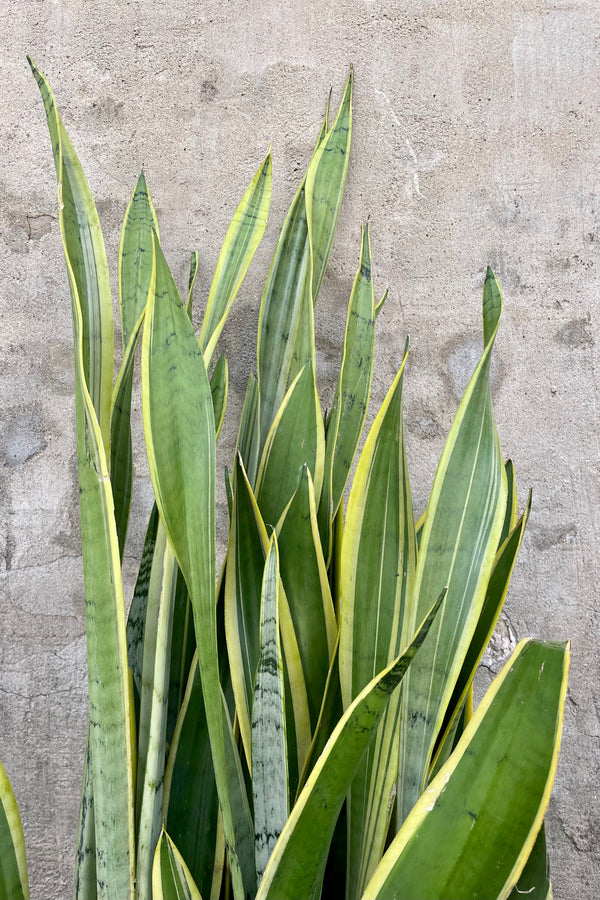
(171, 878)
(219, 384)
(248, 432)
(241, 241)
(293, 276)
(296, 439)
(480, 816)
(180, 439)
(243, 579)
(494, 600)
(153, 709)
(304, 577)
(325, 180)
(86, 258)
(135, 269)
(352, 393)
(296, 867)
(14, 883)
(270, 787)
(458, 545)
(377, 579)
(108, 680)
(136, 621)
(135, 258)
(85, 859)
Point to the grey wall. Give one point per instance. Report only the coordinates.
(475, 141)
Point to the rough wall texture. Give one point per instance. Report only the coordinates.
(476, 141)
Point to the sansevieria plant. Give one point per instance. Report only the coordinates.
(300, 723)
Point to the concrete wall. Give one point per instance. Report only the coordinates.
(476, 141)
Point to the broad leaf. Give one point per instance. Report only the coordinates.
(86, 261)
(180, 438)
(479, 818)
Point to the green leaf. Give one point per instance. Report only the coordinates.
(14, 884)
(270, 787)
(192, 281)
(298, 266)
(135, 258)
(180, 440)
(243, 579)
(219, 384)
(379, 306)
(171, 878)
(325, 180)
(494, 601)
(510, 518)
(352, 393)
(153, 709)
(137, 611)
(183, 647)
(296, 439)
(458, 545)
(135, 268)
(121, 451)
(108, 679)
(248, 432)
(241, 241)
(86, 262)
(304, 577)
(85, 860)
(377, 580)
(330, 714)
(534, 880)
(295, 870)
(190, 800)
(480, 816)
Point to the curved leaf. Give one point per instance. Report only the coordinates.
(241, 241)
(480, 816)
(14, 884)
(296, 439)
(86, 258)
(171, 878)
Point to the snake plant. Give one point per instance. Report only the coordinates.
(300, 723)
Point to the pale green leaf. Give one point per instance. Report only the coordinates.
(270, 787)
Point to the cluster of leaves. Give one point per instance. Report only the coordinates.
(300, 724)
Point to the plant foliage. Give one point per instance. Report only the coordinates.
(299, 724)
